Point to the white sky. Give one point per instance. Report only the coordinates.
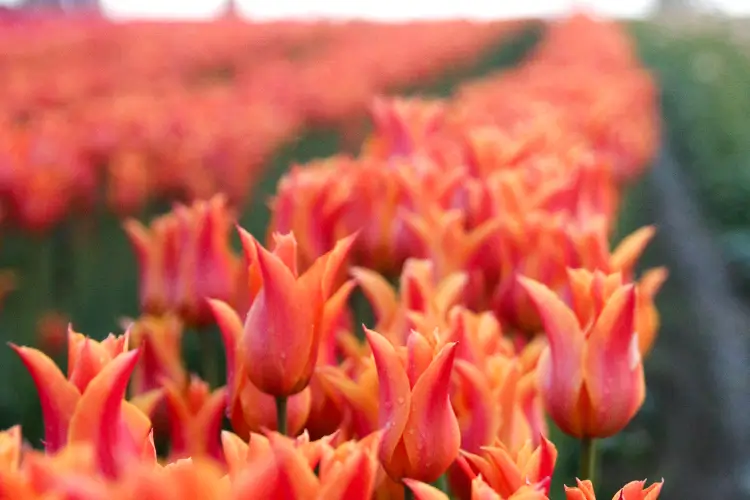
(388, 9)
(394, 9)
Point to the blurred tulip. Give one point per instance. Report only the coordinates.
(195, 416)
(507, 473)
(185, 258)
(160, 342)
(634, 490)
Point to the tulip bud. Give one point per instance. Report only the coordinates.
(591, 375)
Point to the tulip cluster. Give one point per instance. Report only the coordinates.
(477, 228)
(92, 108)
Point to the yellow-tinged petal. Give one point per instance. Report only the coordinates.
(423, 491)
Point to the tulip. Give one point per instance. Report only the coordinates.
(160, 341)
(248, 408)
(421, 435)
(591, 374)
(634, 490)
(195, 416)
(184, 257)
(282, 330)
(507, 473)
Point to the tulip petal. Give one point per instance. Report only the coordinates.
(230, 326)
(352, 480)
(394, 392)
(481, 424)
(423, 491)
(560, 368)
(630, 249)
(98, 416)
(58, 397)
(280, 330)
(379, 293)
(613, 368)
(480, 490)
(432, 436)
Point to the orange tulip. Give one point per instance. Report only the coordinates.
(421, 436)
(590, 290)
(249, 409)
(591, 374)
(282, 329)
(632, 491)
(507, 473)
(185, 258)
(60, 395)
(195, 416)
(160, 341)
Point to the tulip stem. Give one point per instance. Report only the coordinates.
(281, 414)
(442, 483)
(588, 459)
(208, 359)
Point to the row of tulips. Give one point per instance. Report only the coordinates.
(94, 110)
(494, 221)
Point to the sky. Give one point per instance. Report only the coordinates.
(395, 9)
(389, 9)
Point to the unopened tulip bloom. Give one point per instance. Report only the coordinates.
(591, 374)
(421, 436)
(634, 490)
(283, 327)
(184, 258)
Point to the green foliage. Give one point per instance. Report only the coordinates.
(705, 81)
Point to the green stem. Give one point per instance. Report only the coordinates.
(408, 494)
(281, 414)
(588, 459)
(442, 483)
(208, 359)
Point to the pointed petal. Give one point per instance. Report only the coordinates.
(209, 422)
(97, 418)
(352, 480)
(231, 328)
(560, 366)
(280, 337)
(630, 249)
(394, 392)
(423, 491)
(432, 436)
(481, 424)
(58, 397)
(613, 368)
(285, 248)
(334, 261)
(298, 480)
(379, 293)
(235, 452)
(480, 490)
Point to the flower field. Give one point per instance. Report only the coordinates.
(427, 304)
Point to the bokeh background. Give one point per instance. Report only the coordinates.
(693, 429)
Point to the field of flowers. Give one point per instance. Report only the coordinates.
(427, 310)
